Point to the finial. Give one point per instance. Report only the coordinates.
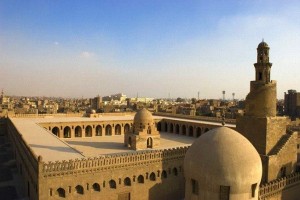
(262, 39)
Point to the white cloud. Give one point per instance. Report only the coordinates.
(86, 54)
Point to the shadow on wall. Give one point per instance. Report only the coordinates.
(99, 145)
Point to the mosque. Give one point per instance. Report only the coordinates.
(152, 157)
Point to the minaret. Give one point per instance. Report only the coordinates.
(262, 127)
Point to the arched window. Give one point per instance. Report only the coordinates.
(55, 131)
(175, 172)
(112, 184)
(127, 181)
(98, 130)
(171, 128)
(79, 189)
(152, 176)
(177, 129)
(140, 179)
(166, 127)
(183, 129)
(164, 174)
(149, 142)
(96, 187)
(149, 130)
(61, 192)
(198, 131)
(88, 131)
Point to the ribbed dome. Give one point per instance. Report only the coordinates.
(263, 45)
(143, 116)
(223, 156)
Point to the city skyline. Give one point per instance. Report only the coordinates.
(154, 48)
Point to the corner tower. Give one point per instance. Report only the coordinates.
(261, 126)
(143, 134)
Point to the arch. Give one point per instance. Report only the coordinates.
(108, 130)
(88, 131)
(183, 129)
(96, 187)
(61, 192)
(127, 181)
(149, 142)
(78, 131)
(118, 129)
(177, 129)
(171, 128)
(164, 174)
(166, 127)
(79, 189)
(175, 171)
(198, 131)
(98, 130)
(158, 126)
(191, 131)
(112, 184)
(152, 176)
(140, 179)
(55, 131)
(67, 132)
(126, 128)
(206, 129)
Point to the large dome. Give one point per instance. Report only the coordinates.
(143, 116)
(223, 156)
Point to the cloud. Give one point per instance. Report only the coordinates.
(86, 54)
(56, 43)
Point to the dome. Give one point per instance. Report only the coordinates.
(263, 44)
(223, 157)
(143, 116)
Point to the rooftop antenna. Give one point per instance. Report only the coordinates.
(233, 94)
(262, 39)
(198, 95)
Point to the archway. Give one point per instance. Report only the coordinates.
(96, 187)
(177, 129)
(191, 131)
(129, 142)
(67, 132)
(126, 128)
(164, 174)
(88, 131)
(171, 128)
(199, 131)
(98, 130)
(55, 131)
(175, 172)
(166, 127)
(149, 142)
(118, 129)
(159, 126)
(149, 130)
(152, 176)
(183, 130)
(108, 130)
(78, 131)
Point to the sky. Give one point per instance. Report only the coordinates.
(153, 48)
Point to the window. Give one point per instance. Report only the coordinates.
(260, 76)
(283, 171)
(195, 187)
(253, 188)
(224, 192)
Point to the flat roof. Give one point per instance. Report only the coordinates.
(51, 148)
(100, 145)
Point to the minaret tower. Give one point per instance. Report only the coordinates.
(260, 125)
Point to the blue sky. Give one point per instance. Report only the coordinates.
(86, 48)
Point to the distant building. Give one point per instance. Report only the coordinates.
(292, 104)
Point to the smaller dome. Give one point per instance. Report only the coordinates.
(143, 116)
(263, 44)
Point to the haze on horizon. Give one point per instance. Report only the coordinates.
(154, 48)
